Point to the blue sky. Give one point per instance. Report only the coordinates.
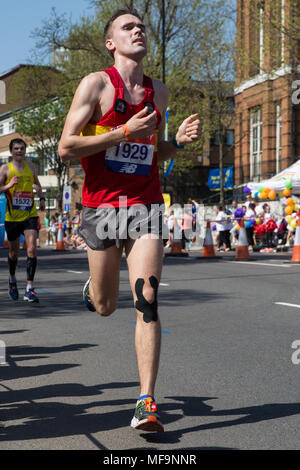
(21, 17)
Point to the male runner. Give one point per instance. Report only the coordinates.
(116, 126)
(17, 180)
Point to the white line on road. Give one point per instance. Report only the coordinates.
(251, 263)
(162, 284)
(287, 305)
(75, 272)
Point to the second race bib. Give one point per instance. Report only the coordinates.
(22, 201)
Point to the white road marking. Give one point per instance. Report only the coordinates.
(162, 284)
(287, 305)
(75, 272)
(252, 263)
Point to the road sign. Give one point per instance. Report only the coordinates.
(67, 198)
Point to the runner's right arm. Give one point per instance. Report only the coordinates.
(3, 177)
(87, 97)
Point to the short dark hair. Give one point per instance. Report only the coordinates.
(120, 12)
(16, 141)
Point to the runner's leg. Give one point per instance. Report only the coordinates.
(144, 259)
(105, 273)
(13, 254)
(30, 238)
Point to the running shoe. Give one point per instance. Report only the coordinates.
(13, 291)
(145, 417)
(31, 296)
(86, 296)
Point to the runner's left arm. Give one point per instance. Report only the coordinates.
(188, 132)
(38, 187)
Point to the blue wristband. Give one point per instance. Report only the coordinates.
(174, 142)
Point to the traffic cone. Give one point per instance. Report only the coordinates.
(296, 249)
(242, 252)
(208, 244)
(60, 245)
(5, 244)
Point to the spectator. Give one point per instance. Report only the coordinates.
(76, 222)
(250, 214)
(221, 221)
(38, 228)
(227, 231)
(186, 227)
(171, 223)
(282, 232)
(53, 228)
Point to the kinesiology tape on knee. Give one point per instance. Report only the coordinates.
(12, 264)
(148, 309)
(31, 267)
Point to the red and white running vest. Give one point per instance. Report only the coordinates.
(128, 169)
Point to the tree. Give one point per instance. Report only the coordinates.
(214, 66)
(43, 123)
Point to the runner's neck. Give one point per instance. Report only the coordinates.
(18, 165)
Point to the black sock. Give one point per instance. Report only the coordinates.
(12, 265)
(31, 267)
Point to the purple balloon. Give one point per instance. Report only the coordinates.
(214, 227)
(239, 213)
(247, 190)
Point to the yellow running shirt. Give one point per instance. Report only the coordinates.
(20, 201)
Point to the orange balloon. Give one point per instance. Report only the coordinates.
(267, 190)
(272, 194)
(287, 192)
(289, 210)
(290, 201)
(264, 195)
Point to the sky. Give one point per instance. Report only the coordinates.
(19, 18)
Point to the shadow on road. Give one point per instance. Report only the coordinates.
(53, 419)
(195, 406)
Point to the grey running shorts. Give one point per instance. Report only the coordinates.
(102, 228)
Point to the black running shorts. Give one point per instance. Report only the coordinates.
(15, 229)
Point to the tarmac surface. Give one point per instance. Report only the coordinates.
(229, 370)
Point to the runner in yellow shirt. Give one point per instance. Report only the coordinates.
(18, 178)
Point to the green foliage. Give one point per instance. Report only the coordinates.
(43, 123)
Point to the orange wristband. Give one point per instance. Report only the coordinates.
(126, 131)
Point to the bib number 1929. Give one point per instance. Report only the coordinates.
(131, 151)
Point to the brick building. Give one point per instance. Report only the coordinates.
(267, 121)
(14, 101)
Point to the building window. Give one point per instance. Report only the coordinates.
(11, 126)
(261, 37)
(257, 33)
(230, 137)
(282, 30)
(255, 144)
(278, 137)
(50, 203)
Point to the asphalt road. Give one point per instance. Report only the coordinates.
(226, 379)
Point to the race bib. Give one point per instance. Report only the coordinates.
(22, 201)
(131, 158)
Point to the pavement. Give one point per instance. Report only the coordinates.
(229, 370)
